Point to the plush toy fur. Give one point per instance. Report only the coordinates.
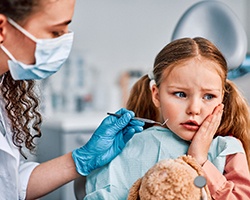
(171, 179)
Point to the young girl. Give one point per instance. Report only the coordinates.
(207, 118)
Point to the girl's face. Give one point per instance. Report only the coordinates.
(188, 94)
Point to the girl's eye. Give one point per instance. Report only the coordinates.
(180, 94)
(209, 96)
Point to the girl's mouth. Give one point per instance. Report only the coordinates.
(191, 125)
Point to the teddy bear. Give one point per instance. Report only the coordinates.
(172, 179)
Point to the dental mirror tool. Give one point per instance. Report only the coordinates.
(142, 119)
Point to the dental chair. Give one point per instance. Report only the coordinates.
(216, 22)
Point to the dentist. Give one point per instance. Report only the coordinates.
(34, 43)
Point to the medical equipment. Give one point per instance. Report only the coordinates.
(142, 119)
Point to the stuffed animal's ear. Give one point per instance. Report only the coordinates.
(134, 190)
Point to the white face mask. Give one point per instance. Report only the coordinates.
(50, 54)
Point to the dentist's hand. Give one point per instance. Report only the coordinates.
(202, 139)
(107, 141)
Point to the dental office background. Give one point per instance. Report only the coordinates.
(114, 39)
(115, 43)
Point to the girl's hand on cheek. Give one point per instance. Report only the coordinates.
(203, 137)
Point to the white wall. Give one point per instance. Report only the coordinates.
(116, 35)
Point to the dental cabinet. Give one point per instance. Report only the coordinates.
(62, 133)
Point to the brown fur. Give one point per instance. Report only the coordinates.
(171, 179)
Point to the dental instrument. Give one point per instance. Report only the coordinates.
(142, 119)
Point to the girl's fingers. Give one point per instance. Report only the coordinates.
(216, 119)
(205, 126)
(204, 136)
(212, 122)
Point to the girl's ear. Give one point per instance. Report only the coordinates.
(3, 22)
(155, 96)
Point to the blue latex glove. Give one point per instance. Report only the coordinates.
(107, 141)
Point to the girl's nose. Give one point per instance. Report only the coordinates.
(194, 107)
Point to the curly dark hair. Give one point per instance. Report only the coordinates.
(21, 101)
(21, 104)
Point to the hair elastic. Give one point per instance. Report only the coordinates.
(151, 75)
(152, 79)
